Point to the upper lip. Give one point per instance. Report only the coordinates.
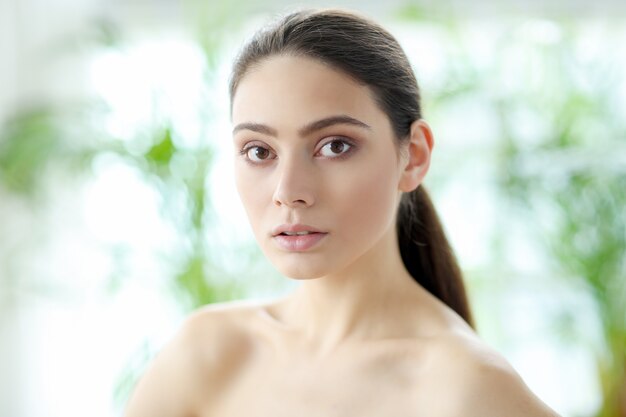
(296, 227)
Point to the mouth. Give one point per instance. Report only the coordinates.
(291, 229)
(300, 241)
(297, 233)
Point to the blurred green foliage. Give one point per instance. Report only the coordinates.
(33, 139)
(577, 172)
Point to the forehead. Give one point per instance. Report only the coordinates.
(287, 88)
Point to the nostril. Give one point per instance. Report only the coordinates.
(291, 194)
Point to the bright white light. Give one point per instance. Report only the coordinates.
(121, 208)
(541, 31)
(151, 81)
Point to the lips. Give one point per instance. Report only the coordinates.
(297, 243)
(295, 227)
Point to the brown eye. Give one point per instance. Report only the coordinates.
(337, 148)
(257, 153)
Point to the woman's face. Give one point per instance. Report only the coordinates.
(341, 178)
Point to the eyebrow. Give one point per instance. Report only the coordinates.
(307, 129)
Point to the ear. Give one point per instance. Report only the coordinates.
(419, 150)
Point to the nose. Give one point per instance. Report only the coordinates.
(294, 185)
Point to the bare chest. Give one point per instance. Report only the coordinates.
(376, 387)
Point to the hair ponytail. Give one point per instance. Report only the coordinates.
(427, 254)
(366, 51)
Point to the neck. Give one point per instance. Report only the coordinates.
(368, 300)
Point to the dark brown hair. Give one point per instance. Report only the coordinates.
(362, 49)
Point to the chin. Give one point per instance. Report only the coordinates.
(299, 268)
(300, 278)
(300, 272)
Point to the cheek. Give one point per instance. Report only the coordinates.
(250, 193)
(365, 203)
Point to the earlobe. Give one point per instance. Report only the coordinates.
(419, 151)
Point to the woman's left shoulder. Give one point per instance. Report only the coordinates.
(480, 382)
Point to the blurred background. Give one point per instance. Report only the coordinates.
(119, 215)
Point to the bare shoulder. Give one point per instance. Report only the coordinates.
(194, 365)
(480, 382)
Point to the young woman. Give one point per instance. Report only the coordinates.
(330, 154)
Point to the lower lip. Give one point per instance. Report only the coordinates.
(299, 243)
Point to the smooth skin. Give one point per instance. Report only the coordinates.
(358, 337)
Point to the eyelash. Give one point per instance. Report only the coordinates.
(244, 152)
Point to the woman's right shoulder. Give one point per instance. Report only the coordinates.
(216, 336)
(194, 363)
(226, 318)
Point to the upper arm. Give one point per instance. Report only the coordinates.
(492, 388)
(471, 379)
(171, 384)
(163, 390)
